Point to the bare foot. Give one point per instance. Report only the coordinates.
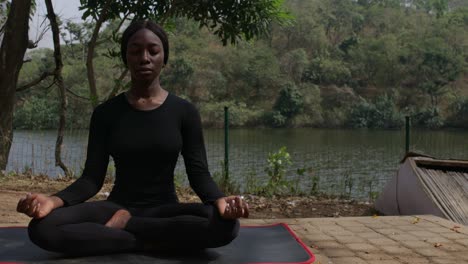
(119, 219)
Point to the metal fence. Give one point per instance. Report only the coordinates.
(356, 163)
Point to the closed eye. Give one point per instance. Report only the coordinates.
(154, 52)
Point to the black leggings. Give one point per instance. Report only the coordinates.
(81, 230)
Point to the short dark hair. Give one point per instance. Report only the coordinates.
(137, 25)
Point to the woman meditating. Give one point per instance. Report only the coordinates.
(144, 130)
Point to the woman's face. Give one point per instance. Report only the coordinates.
(145, 55)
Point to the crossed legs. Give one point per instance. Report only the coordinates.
(81, 229)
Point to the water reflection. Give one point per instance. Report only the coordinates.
(358, 162)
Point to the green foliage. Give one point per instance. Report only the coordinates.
(438, 7)
(252, 184)
(36, 113)
(311, 113)
(229, 20)
(458, 17)
(239, 114)
(459, 116)
(289, 102)
(293, 64)
(335, 117)
(327, 67)
(380, 114)
(178, 74)
(225, 183)
(252, 72)
(367, 183)
(324, 71)
(375, 61)
(348, 184)
(278, 163)
(287, 106)
(315, 187)
(76, 37)
(3, 12)
(362, 115)
(275, 119)
(429, 118)
(180, 180)
(440, 65)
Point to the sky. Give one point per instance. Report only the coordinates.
(66, 9)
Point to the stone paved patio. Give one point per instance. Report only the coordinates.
(383, 239)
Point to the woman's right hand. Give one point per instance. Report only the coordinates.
(232, 207)
(38, 205)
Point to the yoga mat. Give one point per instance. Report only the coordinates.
(255, 244)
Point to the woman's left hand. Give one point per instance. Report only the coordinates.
(232, 207)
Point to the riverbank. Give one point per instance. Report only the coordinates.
(357, 163)
(13, 187)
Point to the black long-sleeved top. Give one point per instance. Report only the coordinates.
(145, 146)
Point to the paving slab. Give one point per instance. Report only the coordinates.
(383, 239)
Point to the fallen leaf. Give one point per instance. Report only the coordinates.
(416, 220)
(437, 245)
(375, 216)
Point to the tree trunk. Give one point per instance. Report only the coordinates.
(118, 84)
(89, 60)
(13, 47)
(60, 84)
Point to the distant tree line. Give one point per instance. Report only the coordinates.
(333, 63)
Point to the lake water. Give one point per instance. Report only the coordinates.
(357, 162)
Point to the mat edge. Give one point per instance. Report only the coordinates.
(285, 225)
(298, 240)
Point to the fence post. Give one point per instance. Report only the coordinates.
(407, 141)
(226, 143)
(32, 159)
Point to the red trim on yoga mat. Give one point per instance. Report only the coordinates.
(310, 260)
(312, 256)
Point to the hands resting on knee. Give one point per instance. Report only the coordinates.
(232, 207)
(38, 205)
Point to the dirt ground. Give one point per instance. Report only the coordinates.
(13, 188)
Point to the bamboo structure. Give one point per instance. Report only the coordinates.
(426, 185)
